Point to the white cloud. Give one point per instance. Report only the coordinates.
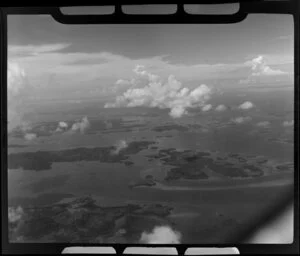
(259, 67)
(16, 77)
(81, 126)
(124, 82)
(288, 123)
(221, 108)
(120, 145)
(241, 119)
(16, 88)
(264, 124)
(30, 136)
(246, 105)
(206, 107)
(62, 126)
(140, 71)
(170, 94)
(161, 235)
(15, 214)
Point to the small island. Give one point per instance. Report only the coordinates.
(170, 127)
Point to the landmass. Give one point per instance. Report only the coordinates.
(83, 220)
(42, 160)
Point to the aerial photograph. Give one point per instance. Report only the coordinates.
(147, 133)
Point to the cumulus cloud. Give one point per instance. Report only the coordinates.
(221, 108)
(157, 93)
(259, 67)
(264, 124)
(161, 235)
(30, 136)
(81, 126)
(120, 145)
(206, 107)
(15, 214)
(246, 105)
(241, 119)
(288, 123)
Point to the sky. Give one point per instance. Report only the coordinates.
(53, 60)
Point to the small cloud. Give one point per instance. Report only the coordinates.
(120, 145)
(108, 124)
(288, 123)
(15, 214)
(221, 108)
(161, 235)
(246, 105)
(30, 136)
(81, 126)
(284, 37)
(124, 82)
(241, 119)
(264, 124)
(62, 126)
(206, 107)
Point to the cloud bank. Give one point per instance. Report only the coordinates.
(161, 235)
(81, 126)
(246, 105)
(164, 95)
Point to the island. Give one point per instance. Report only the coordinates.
(193, 165)
(42, 160)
